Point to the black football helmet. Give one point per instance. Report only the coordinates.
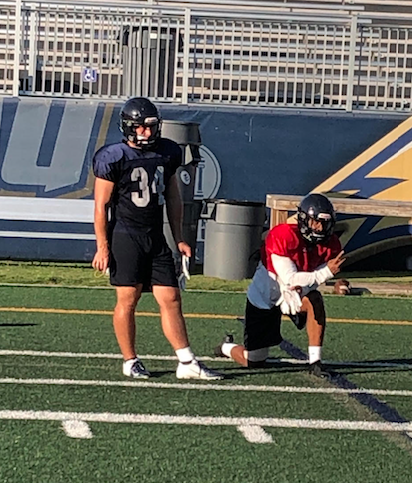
(136, 112)
(316, 207)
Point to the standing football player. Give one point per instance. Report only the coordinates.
(134, 179)
(295, 260)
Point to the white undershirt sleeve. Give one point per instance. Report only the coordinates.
(288, 274)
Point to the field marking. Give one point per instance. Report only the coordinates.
(375, 295)
(204, 387)
(77, 429)
(105, 312)
(81, 355)
(204, 420)
(89, 355)
(188, 315)
(368, 321)
(255, 434)
(97, 355)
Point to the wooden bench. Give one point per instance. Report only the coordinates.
(281, 205)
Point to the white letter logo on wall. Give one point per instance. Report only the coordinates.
(208, 175)
(207, 184)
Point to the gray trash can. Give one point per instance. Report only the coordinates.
(233, 236)
(187, 136)
(191, 215)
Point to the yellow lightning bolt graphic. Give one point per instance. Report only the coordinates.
(401, 169)
(398, 166)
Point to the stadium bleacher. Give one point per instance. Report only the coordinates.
(329, 54)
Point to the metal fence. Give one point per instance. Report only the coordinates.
(341, 57)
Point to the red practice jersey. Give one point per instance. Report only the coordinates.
(285, 240)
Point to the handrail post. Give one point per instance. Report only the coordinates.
(17, 45)
(32, 53)
(186, 51)
(351, 67)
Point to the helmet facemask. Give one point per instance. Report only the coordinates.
(309, 233)
(128, 127)
(136, 112)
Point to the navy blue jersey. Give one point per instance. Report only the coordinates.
(140, 177)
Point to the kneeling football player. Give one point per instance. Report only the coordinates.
(295, 260)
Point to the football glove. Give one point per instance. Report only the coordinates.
(289, 301)
(185, 275)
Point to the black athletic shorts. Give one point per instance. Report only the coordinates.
(140, 258)
(262, 327)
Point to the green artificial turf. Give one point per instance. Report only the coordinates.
(33, 450)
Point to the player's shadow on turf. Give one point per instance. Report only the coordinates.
(280, 367)
(391, 361)
(371, 366)
(334, 369)
(158, 374)
(9, 324)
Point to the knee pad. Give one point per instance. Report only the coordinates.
(257, 358)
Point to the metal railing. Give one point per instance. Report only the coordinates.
(336, 57)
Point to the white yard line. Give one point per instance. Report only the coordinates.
(205, 420)
(204, 387)
(60, 354)
(45, 310)
(194, 290)
(98, 355)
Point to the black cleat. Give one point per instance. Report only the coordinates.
(227, 340)
(299, 320)
(317, 369)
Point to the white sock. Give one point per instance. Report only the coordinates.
(185, 355)
(314, 353)
(227, 348)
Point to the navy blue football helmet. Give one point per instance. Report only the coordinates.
(316, 207)
(136, 112)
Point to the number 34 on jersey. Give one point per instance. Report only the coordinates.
(141, 197)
